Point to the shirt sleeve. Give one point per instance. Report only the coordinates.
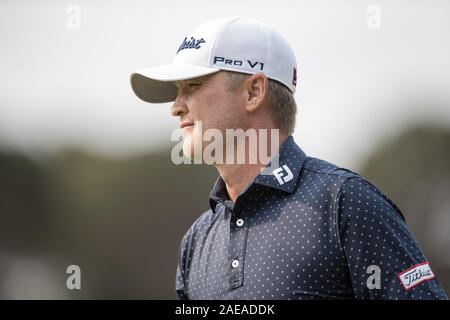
(184, 253)
(383, 257)
(180, 284)
(180, 280)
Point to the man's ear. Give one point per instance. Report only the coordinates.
(256, 89)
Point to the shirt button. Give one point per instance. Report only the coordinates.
(239, 222)
(235, 263)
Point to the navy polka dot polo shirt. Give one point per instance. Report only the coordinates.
(309, 230)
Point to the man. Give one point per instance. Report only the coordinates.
(296, 227)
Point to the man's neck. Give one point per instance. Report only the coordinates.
(238, 176)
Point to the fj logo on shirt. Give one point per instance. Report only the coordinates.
(415, 275)
(282, 178)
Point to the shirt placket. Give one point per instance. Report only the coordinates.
(236, 249)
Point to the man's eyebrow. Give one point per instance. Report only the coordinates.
(199, 79)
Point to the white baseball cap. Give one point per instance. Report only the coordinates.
(234, 44)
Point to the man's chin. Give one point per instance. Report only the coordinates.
(188, 153)
(188, 149)
(191, 151)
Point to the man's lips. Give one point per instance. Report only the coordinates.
(186, 124)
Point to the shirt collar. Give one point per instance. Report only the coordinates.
(283, 177)
(218, 194)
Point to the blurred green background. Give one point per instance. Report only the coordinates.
(121, 220)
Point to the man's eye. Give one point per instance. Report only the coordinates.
(192, 85)
(189, 87)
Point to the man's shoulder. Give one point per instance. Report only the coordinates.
(333, 178)
(321, 168)
(345, 181)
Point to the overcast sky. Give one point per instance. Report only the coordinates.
(357, 85)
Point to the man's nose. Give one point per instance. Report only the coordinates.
(179, 107)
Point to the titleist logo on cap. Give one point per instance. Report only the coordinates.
(191, 44)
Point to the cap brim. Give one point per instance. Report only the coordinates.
(157, 84)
